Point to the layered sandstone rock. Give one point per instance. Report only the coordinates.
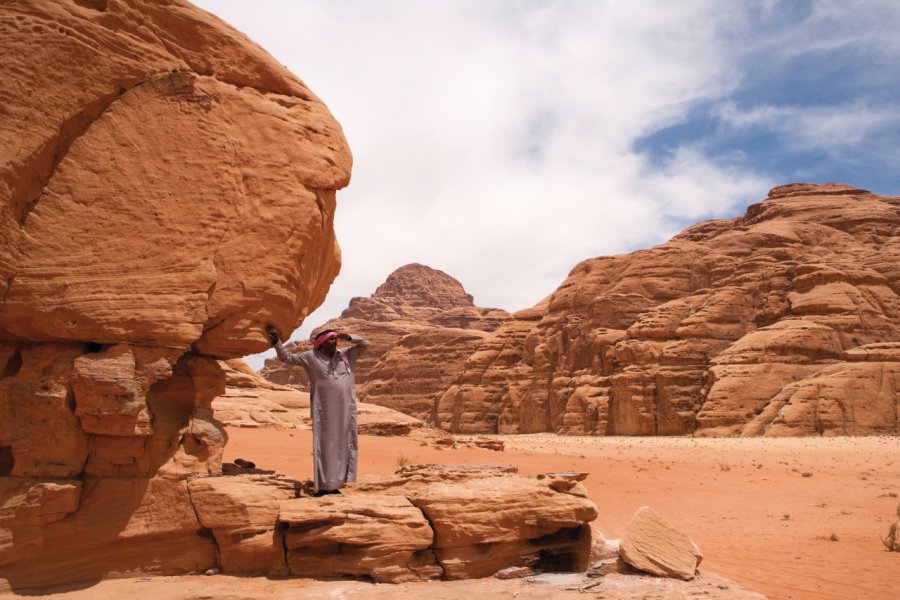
(251, 401)
(486, 519)
(417, 368)
(382, 537)
(483, 526)
(426, 522)
(241, 512)
(166, 189)
(783, 321)
(118, 526)
(422, 325)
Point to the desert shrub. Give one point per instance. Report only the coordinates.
(892, 541)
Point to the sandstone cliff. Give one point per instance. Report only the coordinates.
(166, 189)
(422, 325)
(784, 321)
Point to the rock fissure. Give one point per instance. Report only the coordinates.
(280, 530)
(9, 283)
(57, 148)
(321, 206)
(7, 460)
(13, 365)
(214, 262)
(209, 533)
(175, 50)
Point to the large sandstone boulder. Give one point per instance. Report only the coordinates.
(166, 190)
(485, 525)
(178, 192)
(422, 325)
(783, 321)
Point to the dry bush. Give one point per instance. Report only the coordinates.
(892, 541)
(402, 460)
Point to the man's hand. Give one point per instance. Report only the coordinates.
(273, 334)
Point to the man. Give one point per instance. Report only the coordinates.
(332, 387)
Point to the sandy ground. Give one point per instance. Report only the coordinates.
(789, 518)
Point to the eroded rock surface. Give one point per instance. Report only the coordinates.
(422, 325)
(184, 179)
(166, 189)
(784, 321)
(426, 522)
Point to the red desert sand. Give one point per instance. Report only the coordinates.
(791, 518)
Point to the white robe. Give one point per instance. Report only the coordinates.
(332, 384)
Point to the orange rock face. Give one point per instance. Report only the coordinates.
(784, 321)
(185, 179)
(166, 189)
(422, 325)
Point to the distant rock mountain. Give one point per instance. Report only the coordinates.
(422, 325)
(784, 321)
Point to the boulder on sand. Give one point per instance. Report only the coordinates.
(653, 545)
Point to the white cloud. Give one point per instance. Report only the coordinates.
(494, 140)
(831, 128)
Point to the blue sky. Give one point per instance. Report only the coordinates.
(505, 141)
(822, 109)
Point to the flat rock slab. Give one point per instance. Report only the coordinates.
(653, 545)
(242, 511)
(485, 525)
(382, 537)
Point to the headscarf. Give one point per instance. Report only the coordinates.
(323, 337)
